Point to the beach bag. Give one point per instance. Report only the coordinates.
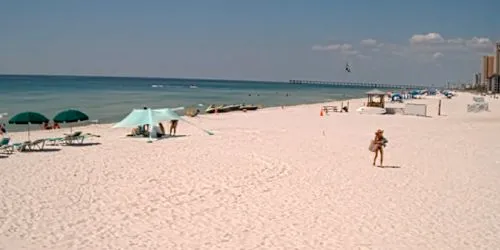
(373, 146)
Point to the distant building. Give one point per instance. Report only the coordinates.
(476, 81)
(487, 68)
(494, 83)
(496, 64)
(491, 70)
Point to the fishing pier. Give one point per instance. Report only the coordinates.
(358, 84)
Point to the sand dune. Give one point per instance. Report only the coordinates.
(271, 179)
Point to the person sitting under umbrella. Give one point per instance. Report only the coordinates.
(158, 131)
(3, 129)
(46, 126)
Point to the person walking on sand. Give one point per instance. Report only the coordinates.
(377, 146)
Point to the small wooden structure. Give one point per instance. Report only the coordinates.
(327, 109)
(376, 98)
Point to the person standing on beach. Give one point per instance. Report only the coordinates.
(173, 127)
(377, 146)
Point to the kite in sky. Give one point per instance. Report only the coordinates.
(347, 68)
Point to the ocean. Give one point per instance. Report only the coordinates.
(109, 99)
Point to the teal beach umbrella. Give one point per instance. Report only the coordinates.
(70, 116)
(140, 117)
(28, 118)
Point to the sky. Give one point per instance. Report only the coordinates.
(425, 42)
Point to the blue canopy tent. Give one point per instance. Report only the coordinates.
(396, 97)
(140, 117)
(415, 92)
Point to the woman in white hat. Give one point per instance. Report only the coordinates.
(378, 145)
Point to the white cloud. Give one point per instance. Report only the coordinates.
(369, 42)
(345, 48)
(480, 43)
(433, 43)
(350, 52)
(456, 41)
(361, 56)
(427, 47)
(437, 55)
(426, 38)
(340, 47)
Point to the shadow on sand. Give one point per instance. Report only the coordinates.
(85, 144)
(44, 150)
(388, 166)
(166, 137)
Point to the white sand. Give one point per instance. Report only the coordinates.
(271, 179)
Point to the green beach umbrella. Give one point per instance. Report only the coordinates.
(28, 118)
(70, 116)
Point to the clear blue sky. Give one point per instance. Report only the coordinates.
(259, 39)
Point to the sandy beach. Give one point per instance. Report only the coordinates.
(271, 179)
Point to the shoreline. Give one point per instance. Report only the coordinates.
(91, 123)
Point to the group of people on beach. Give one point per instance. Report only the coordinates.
(46, 126)
(157, 131)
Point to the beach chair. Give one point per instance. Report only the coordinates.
(5, 141)
(5, 147)
(327, 109)
(23, 147)
(30, 145)
(78, 137)
(72, 138)
(37, 144)
(54, 141)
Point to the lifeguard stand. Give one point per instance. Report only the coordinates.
(376, 98)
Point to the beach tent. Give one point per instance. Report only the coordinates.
(139, 117)
(169, 114)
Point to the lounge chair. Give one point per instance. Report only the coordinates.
(30, 145)
(5, 147)
(77, 137)
(23, 147)
(54, 141)
(4, 141)
(38, 144)
(70, 138)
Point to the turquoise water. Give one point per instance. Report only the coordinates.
(109, 99)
